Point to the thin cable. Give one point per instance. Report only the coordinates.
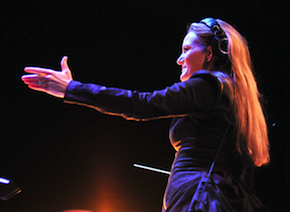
(216, 157)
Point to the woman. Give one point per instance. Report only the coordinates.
(218, 128)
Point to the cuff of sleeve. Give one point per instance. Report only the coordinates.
(70, 92)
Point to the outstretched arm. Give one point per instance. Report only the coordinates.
(177, 100)
(47, 80)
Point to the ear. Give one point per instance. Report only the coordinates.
(209, 53)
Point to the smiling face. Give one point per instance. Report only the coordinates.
(192, 57)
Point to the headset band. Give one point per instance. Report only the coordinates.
(220, 40)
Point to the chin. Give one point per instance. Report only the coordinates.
(183, 77)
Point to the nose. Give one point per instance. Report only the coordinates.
(180, 60)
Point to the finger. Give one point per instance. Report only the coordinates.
(29, 79)
(36, 88)
(33, 82)
(32, 78)
(29, 76)
(37, 70)
(33, 85)
(41, 82)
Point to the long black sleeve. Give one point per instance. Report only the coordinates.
(177, 100)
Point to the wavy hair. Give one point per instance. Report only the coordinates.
(252, 133)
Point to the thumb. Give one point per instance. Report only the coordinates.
(63, 63)
(64, 67)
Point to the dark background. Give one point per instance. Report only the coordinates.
(66, 156)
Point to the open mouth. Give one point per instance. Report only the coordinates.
(183, 69)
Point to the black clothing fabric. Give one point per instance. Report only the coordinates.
(201, 109)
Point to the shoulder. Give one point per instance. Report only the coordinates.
(211, 78)
(217, 80)
(214, 77)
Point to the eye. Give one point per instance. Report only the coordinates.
(185, 49)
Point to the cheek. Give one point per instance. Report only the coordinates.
(195, 61)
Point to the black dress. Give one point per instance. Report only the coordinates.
(201, 111)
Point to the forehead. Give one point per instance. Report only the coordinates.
(190, 39)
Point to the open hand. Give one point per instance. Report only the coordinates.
(47, 80)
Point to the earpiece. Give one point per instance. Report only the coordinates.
(220, 40)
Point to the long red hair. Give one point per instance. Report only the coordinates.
(252, 133)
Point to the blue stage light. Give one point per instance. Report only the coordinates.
(4, 181)
(8, 189)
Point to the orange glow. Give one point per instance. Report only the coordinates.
(109, 194)
(77, 210)
(106, 202)
(108, 199)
